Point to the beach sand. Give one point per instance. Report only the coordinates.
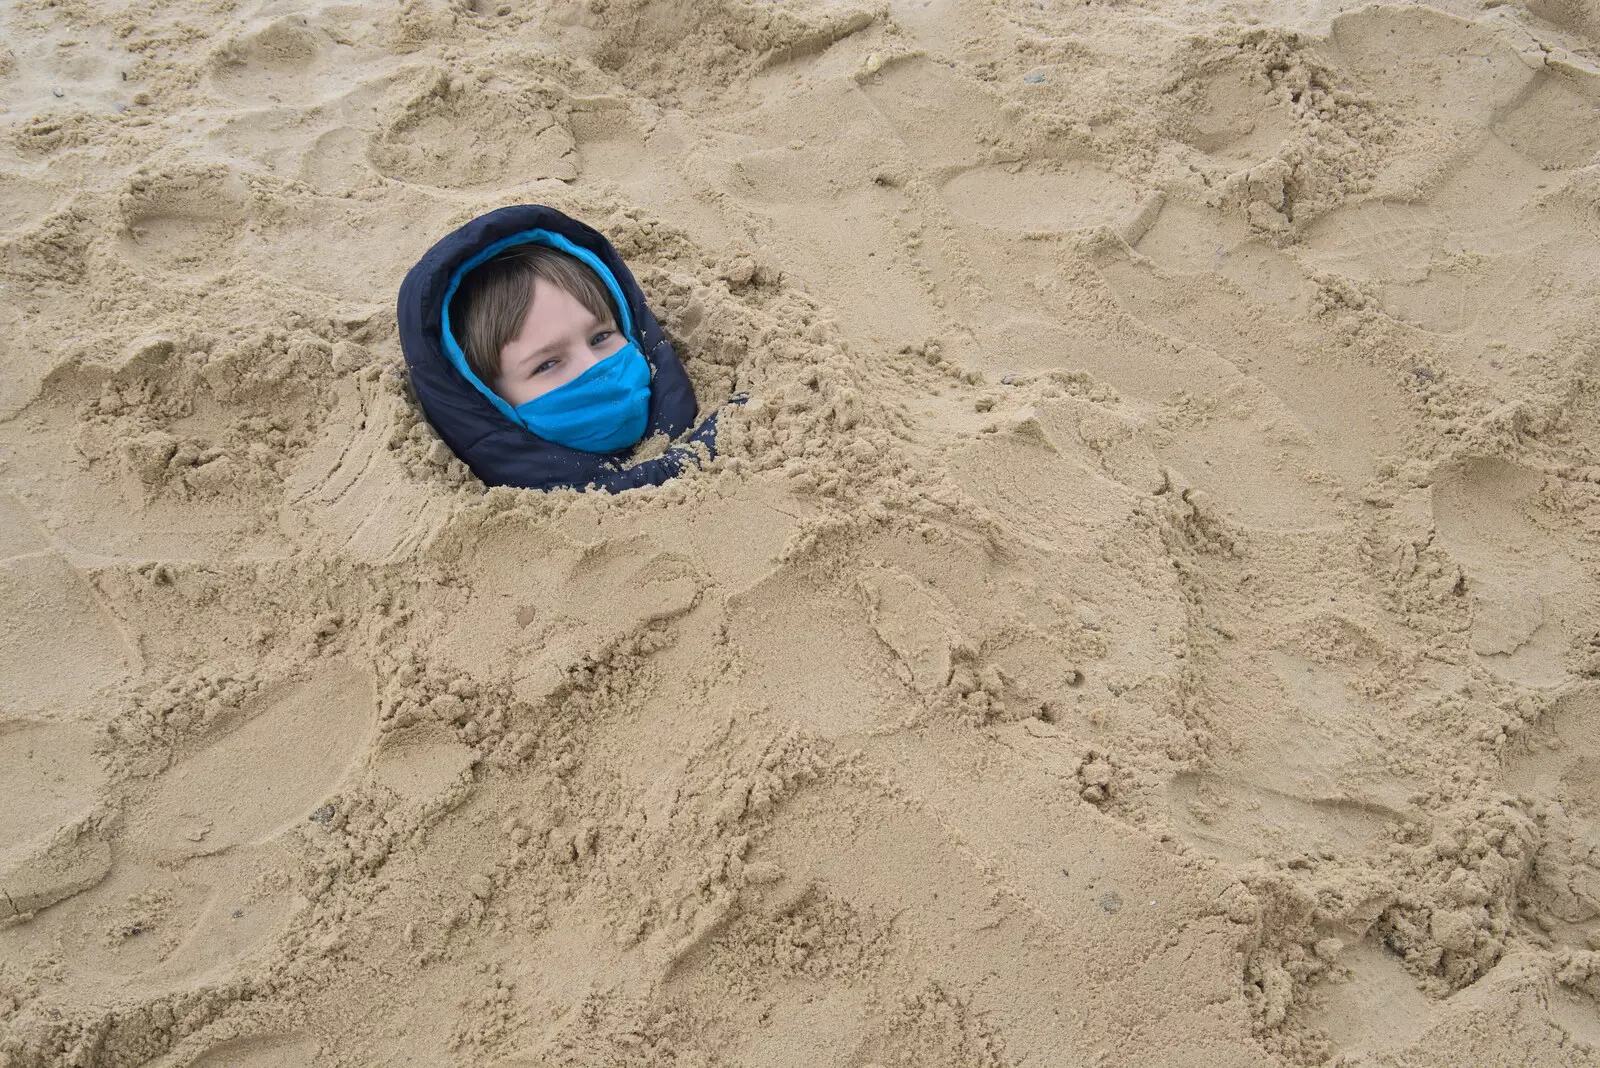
(1147, 614)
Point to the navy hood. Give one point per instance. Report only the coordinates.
(499, 450)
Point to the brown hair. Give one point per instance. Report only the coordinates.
(498, 292)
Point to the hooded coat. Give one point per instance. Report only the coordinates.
(474, 424)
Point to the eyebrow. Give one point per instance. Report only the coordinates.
(536, 354)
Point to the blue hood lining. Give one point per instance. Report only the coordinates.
(452, 348)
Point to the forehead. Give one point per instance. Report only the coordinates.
(553, 314)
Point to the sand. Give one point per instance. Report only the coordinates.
(1147, 614)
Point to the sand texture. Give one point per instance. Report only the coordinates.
(1147, 614)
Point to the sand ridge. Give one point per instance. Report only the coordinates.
(1146, 612)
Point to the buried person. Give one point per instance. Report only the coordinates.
(535, 357)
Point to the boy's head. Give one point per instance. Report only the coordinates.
(535, 320)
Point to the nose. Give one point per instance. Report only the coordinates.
(582, 358)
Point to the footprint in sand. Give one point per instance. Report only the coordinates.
(1573, 16)
(941, 116)
(458, 134)
(336, 161)
(1201, 275)
(1461, 74)
(23, 202)
(1559, 768)
(1529, 596)
(1187, 238)
(1556, 122)
(1240, 821)
(292, 245)
(354, 489)
(197, 881)
(519, 618)
(1416, 56)
(1297, 777)
(295, 746)
(268, 1051)
(47, 853)
(185, 220)
(1238, 120)
(277, 63)
(918, 98)
(1460, 251)
(58, 643)
(1260, 469)
(56, 776)
(19, 534)
(1452, 260)
(420, 762)
(1375, 1007)
(319, 132)
(610, 142)
(1076, 196)
(274, 139)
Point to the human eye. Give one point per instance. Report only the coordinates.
(601, 338)
(543, 367)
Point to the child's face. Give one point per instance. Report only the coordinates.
(559, 340)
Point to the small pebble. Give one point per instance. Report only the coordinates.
(1033, 79)
(59, 92)
(1111, 901)
(238, 914)
(323, 814)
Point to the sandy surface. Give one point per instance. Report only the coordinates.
(1149, 613)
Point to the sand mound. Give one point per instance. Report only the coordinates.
(1146, 614)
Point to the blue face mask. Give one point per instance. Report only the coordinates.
(602, 410)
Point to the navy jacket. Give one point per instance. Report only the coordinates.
(500, 451)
